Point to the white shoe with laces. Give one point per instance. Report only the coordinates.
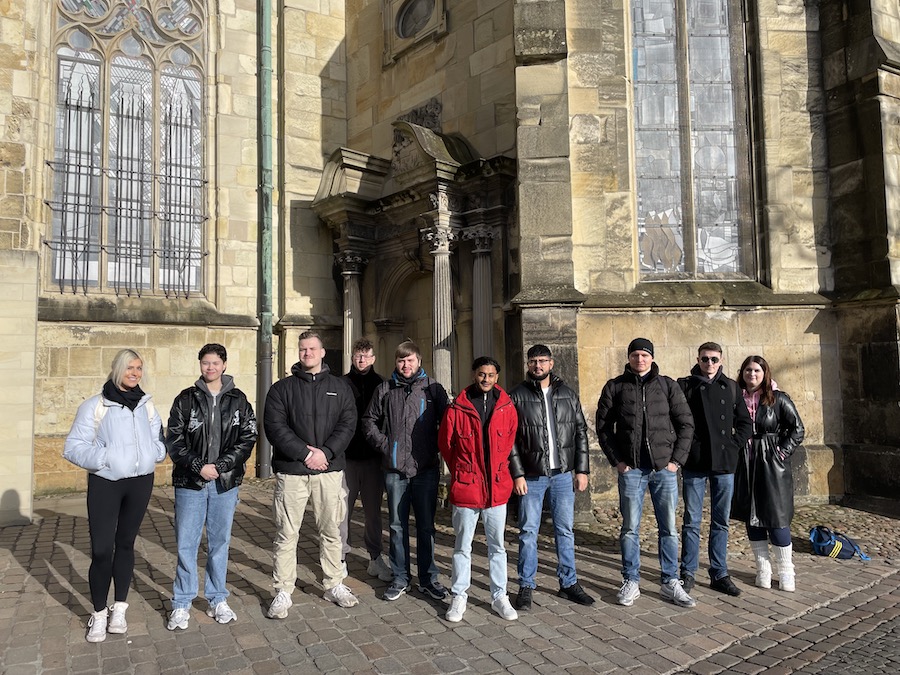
(504, 609)
(97, 626)
(222, 613)
(457, 609)
(341, 596)
(673, 591)
(178, 618)
(280, 606)
(117, 623)
(629, 592)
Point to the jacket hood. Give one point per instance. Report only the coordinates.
(397, 380)
(227, 385)
(535, 385)
(297, 370)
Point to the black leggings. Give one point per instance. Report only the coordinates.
(115, 511)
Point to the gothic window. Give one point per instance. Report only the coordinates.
(128, 183)
(691, 142)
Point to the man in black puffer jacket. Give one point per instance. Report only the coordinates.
(645, 428)
(309, 419)
(211, 433)
(550, 456)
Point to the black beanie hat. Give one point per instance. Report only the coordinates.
(640, 344)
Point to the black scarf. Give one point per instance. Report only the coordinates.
(126, 397)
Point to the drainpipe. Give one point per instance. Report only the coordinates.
(264, 216)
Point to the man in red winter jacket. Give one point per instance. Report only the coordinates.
(475, 439)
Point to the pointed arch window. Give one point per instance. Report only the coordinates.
(128, 185)
(692, 152)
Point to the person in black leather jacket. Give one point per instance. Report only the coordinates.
(551, 445)
(211, 433)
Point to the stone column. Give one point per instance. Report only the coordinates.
(352, 264)
(440, 235)
(482, 238)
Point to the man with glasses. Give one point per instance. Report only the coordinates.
(550, 456)
(645, 428)
(364, 477)
(722, 426)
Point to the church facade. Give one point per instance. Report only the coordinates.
(475, 175)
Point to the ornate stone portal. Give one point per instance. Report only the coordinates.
(434, 209)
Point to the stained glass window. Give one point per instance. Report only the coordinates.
(128, 181)
(691, 146)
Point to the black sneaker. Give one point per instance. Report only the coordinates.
(725, 585)
(576, 593)
(395, 590)
(434, 589)
(687, 580)
(523, 599)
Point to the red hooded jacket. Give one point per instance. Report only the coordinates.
(461, 445)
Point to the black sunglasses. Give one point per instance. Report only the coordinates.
(710, 359)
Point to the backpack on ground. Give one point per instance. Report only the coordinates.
(827, 542)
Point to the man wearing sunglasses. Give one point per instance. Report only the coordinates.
(722, 426)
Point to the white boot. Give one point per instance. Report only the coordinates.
(763, 563)
(786, 577)
(97, 626)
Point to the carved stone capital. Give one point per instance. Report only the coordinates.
(439, 238)
(482, 238)
(351, 262)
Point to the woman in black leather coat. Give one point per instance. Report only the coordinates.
(763, 485)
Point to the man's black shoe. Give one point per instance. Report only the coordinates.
(687, 581)
(523, 599)
(725, 585)
(576, 593)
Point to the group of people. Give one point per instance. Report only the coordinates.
(338, 438)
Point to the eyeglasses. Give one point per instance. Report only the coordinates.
(710, 359)
(535, 362)
(363, 357)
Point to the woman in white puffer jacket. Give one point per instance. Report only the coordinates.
(117, 438)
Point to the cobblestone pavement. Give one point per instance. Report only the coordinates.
(845, 614)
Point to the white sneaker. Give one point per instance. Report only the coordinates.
(379, 568)
(457, 609)
(280, 606)
(673, 591)
(222, 613)
(117, 623)
(178, 618)
(97, 626)
(504, 609)
(629, 592)
(341, 596)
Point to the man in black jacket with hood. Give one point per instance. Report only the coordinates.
(550, 456)
(722, 426)
(310, 417)
(645, 428)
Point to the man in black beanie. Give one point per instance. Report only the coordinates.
(645, 428)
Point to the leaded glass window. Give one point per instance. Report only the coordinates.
(128, 184)
(691, 146)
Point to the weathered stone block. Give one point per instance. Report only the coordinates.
(540, 29)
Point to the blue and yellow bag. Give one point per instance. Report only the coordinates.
(827, 542)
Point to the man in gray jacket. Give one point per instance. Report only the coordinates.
(309, 418)
(645, 428)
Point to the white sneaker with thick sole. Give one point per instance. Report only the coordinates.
(117, 623)
(674, 592)
(457, 609)
(178, 618)
(629, 592)
(379, 568)
(222, 613)
(341, 596)
(504, 609)
(97, 626)
(280, 606)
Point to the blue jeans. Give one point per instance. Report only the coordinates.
(420, 493)
(663, 486)
(193, 510)
(562, 510)
(464, 522)
(693, 487)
